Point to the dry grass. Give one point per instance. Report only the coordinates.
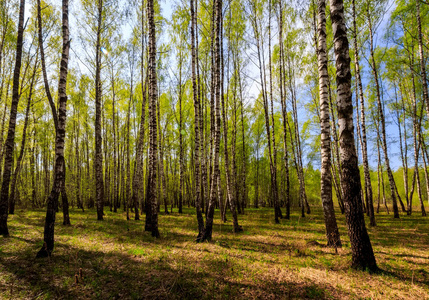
(267, 261)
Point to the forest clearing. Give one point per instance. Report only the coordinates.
(214, 149)
(119, 260)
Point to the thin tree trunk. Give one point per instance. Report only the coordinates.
(115, 147)
(78, 164)
(59, 167)
(383, 122)
(422, 59)
(284, 109)
(181, 166)
(162, 182)
(364, 145)
(277, 209)
(403, 151)
(244, 194)
(138, 193)
(106, 155)
(197, 129)
(424, 154)
(257, 33)
(152, 211)
(10, 144)
(2, 145)
(128, 186)
(217, 8)
(98, 161)
(24, 135)
(230, 182)
(337, 161)
(231, 199)
(380, 175)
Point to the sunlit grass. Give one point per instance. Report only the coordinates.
(119, 260)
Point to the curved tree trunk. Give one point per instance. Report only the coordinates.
(59, 167)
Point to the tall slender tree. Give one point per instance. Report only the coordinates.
(364, 144)
(215, 172)
(138, 193)
(55, 112)
(374, 68)
(197, 122)
(332, 233)
(10, 140)
(24, 138)
(422, 58)
(152, 209)
(98, 160)
(59, 167)
(362, 253)
(282, 86)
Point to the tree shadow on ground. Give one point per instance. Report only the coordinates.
(116, 275)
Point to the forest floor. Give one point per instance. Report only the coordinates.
(119, 260)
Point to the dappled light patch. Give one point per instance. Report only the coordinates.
(117, 259)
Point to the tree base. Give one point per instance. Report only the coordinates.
(370, 269)
(155, 233)
(238, 229)
(204, 236)
(43, 253)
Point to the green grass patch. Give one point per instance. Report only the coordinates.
(117, 259)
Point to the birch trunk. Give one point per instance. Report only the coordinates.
(138, 173)
(197, 129)
(217, 8)
(259, 45)
(364, 144)
(98, 160)
(362, 253)
(422, 59)
(383, 122)
(59, 167)
(332, 234)
(9, 144)
(284, 109)
(152, 212)
(22, 150)
(276, 201)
